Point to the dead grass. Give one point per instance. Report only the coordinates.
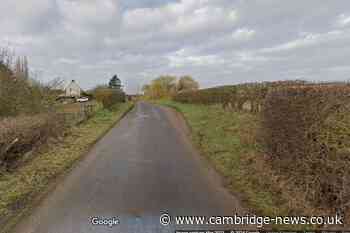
(21, 134)
(24, 134)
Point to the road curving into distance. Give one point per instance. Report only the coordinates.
(143, 168)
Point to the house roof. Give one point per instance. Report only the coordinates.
(74, 84)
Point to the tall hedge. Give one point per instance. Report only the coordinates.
(306, 131)
(233, 97)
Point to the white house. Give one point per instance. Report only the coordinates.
(73, 90)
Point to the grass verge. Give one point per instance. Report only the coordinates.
(19, 188)
(229, 142)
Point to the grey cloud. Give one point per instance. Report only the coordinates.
(217, 41)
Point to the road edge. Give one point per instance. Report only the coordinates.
(183, 128)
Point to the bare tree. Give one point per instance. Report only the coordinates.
(187, 83)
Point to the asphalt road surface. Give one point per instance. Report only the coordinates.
(144, 167)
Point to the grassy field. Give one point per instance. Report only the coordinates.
(230, 142)
(19, 188)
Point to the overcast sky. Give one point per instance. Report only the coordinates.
(216, 41)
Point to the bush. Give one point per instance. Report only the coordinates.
(204, 96)
(109, 97)
(22, 134)
(234, 97)
(306, 132)
(248, 96)
(20, 95)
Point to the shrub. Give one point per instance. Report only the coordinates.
(109, 97)
(21, 95)
(306, 134)
(248, 96)
(21, 134)
(234, 97)
(204, 96)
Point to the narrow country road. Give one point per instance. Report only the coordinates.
(142, 168)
